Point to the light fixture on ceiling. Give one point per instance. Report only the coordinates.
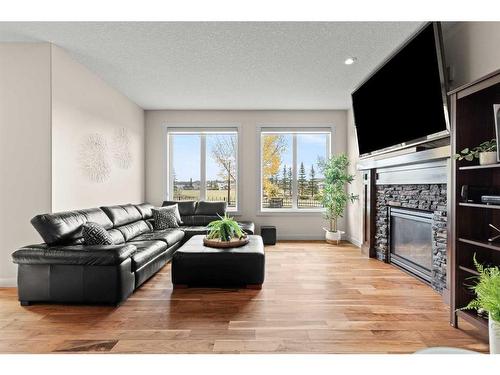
(350, 60)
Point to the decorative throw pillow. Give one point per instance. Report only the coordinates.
(95, 234)
(164, 218)
(175, 208)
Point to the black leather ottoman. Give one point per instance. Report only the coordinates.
(200, 266)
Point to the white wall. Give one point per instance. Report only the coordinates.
(289, 226)
(25, 139)
(473, 49)
(83, 104)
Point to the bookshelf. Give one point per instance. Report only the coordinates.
(472, 123)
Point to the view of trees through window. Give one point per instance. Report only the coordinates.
(285, 185)
(218, 153)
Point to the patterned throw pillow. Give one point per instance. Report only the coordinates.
(175, 208)
(164, 218)
(95, 234)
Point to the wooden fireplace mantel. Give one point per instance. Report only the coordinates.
(443, 152)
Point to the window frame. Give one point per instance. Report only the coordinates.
(203, 130)
(294, 130)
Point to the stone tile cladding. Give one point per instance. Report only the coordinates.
(427, 197)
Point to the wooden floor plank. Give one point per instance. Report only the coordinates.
(317, 298)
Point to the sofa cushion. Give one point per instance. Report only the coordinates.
(94, 255)
(185, 207)
(64, 227)
(132, 230)
(145, 210)
(121, 215)
(117, 236)
(170, 236)
(210, 208)
(165, 217)
(204, 219)
(193, 230)
(247, 226)
(95, 234)
(146, 251)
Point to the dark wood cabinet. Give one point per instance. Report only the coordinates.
(473, 122)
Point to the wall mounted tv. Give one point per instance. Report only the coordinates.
(403, 102)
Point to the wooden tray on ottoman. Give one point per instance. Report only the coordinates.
(218, 244)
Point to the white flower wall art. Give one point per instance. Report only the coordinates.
(122, 156)
(94, 159)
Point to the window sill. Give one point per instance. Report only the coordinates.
(290, 212)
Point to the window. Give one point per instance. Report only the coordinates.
(290, 174)
(203, 165)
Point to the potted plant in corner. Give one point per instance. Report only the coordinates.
(334, 196)
(487, 290)
(486, 152)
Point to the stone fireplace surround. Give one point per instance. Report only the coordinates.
(424, 197)
(418, 180)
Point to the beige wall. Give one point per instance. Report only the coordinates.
(48, 105)
(289, 226)
(354, 227)
(25, 138)
(82, 105)
(472, 49)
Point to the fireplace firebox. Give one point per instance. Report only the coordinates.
(410, 241)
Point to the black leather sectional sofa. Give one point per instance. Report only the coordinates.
(64, 269)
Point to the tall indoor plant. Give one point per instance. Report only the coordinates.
(334, 195)
(487, 290)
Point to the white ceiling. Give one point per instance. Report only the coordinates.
(224, 65)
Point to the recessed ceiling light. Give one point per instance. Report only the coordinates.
(350, 60)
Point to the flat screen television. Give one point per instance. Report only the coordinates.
(403, 103)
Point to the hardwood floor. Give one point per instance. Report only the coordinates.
(317, 298)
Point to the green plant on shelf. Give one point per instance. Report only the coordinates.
(471, 154)
(224, 229)
(487, 290)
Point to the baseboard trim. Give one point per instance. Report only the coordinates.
(8, 283)
(300, 237)
(354, 241)
(313, 237)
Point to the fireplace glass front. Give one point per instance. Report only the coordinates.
(411, 241)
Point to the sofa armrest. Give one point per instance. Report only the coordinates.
(92, 255)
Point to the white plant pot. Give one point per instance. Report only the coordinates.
(333, 237)
(494, 333)
(489, 157)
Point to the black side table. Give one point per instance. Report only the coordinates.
(268, 233)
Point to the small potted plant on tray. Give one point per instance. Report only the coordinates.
(487, 290)
(334, 196)
(225, 233)
(486, 152)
